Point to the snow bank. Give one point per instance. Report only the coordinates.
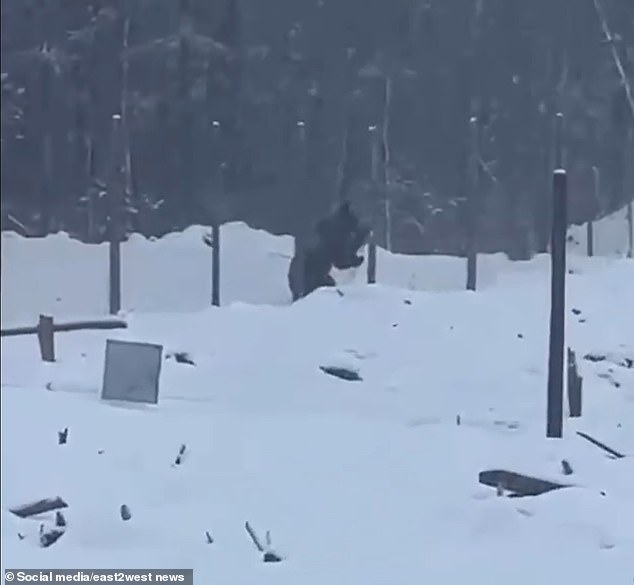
(66, 278)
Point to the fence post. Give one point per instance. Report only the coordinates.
(554, 426)
(215, 226)
(46, 338)
(115, 195)
(630, 230)
(374, 146)
(299, 239)
(472, 198)
(596, 192)
(575, 385)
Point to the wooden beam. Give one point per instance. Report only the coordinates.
(72, 326)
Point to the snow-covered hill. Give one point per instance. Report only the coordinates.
(373, 482)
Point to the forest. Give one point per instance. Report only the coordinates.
(423, 113)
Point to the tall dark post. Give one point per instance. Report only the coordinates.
(374, 145)
(596, 186)
(472, 205)
(630, 230)
(560, 155)
(575, 386)
(115, 194)
(215, 225)
(554, 427)
(301, 212)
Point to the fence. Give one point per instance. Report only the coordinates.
(46, 329)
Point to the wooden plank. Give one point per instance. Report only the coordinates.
(575, 386)
(46, 338)
(518, 483)
(39, 507)
(71, 326)
(95, 324)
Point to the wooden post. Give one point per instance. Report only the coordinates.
(46, 338)
(630, 230)
(115, 194)
(374, 146)
(558, 306)
(299, 240)
(575, 385)
(560, 154)
(596, 187)
(215, 230)
(114, 249)
(215, 264)
(472, 198)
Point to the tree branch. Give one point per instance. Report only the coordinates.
(609, 38)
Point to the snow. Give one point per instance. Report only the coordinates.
(610, 236)
(68, 279)
(360, 483)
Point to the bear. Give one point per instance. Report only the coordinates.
(336, 243)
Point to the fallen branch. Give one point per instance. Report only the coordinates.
(614, 454)
(27, 231)
(181, 454)
(269, 555)
(254, 537)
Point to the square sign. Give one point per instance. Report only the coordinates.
(131, 372)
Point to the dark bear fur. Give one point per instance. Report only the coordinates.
(337, 241)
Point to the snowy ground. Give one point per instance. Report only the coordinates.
(360, 483)
(66, 278)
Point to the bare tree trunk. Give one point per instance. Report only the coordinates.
(630, 231)
(47, 193)
(596, 175)
(92, 195)
(374, 145)
(343, 160)
(387, 204)
(125, 67)
(609, 38)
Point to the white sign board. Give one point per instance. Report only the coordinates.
(131, 371)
